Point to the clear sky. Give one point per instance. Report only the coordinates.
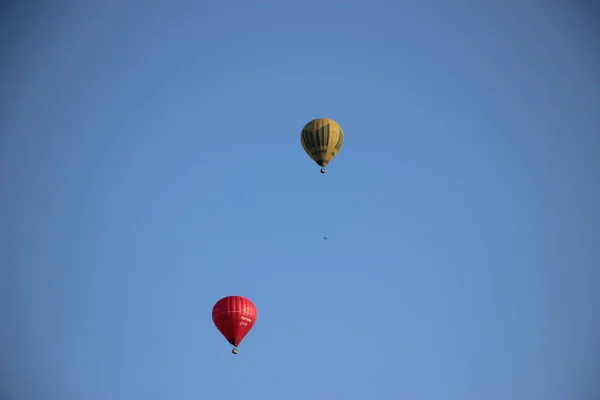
(150, 164)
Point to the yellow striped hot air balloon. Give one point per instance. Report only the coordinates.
(322, 140)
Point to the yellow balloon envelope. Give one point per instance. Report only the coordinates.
(322, 140)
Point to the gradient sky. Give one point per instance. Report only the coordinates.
(150, 164)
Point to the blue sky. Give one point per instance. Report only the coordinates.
(150, 164)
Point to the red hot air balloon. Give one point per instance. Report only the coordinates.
(234, 317)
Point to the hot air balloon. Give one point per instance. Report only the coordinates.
(234, 317)
(322, 140)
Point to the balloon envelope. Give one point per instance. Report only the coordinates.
(234, 317)
(322, 139)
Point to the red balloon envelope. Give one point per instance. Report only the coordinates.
(234, 317)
